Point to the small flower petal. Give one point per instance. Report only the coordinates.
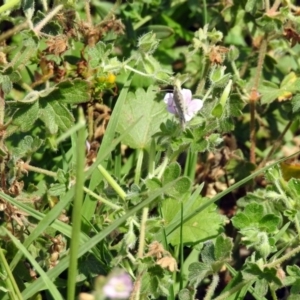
(187, 95)
(168, 99)
(118, 286)
(192, 105)
(192, 109)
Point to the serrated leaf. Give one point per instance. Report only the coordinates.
(185, 294)
(171, 173)
(254, 212)
(153, 184)
(289, 85)
(57, 189)
(296, 103)
(261, 287)
(25, 116)
(150, 113)
(207, 254)
(6, 84)
(240, 221)
(56, 116)
(269, 274)
(223, 248)
(293, 271)
(269, 222)
(69, 92)
(197, 272)
(295, 289)
(205, 225)
(27, 146)
(182, 187)
(269, 92)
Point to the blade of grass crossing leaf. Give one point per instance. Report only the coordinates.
(38, 284)
(70, 131)
(89, 204)
(52, 216)
(11, 285)
(76, 213)
(47, 282)
(174, 225)
(244, 290)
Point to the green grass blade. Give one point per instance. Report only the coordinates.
(89, 204)
(64, 263)
(76, 213)
(11, 285)
(44, 278)
(174, 225)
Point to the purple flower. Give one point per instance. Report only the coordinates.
(119, 286)
(192, 106)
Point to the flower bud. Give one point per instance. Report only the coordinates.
(148, 43)
(225, 93)
(217, 76)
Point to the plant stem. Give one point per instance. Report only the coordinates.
(285, 257)
(88, 12)
(7, 34)
(76, 213)
(276, 144)
(112, 182)
(275, 5)
(28, 167)
(254, 96)
(138, 168)
(11, 284)
(101, 199)
(211, 289)
(48, 17)
(9, 5)
(143, 232)
(273, 294)
(232, 290)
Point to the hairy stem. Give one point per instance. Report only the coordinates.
(276, 144)
(254, 96)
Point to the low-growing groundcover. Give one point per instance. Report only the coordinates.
(149, 149)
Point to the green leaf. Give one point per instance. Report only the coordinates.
(296, 103)
(289, 86)
(267, 273)
(182, 187)
(254, 212)
(27, 146)
(261, 287)
(295, 289)
(56, 116)
(150, 113)
(197, 272)
(223, 248)
(203, 226)
(241, 221)
(70, 91)
(269, 222)
(172, 172)
(25, 117)
(6, 84)
(185, 294)
(208, 253)
(293, 271)
(269, 92)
